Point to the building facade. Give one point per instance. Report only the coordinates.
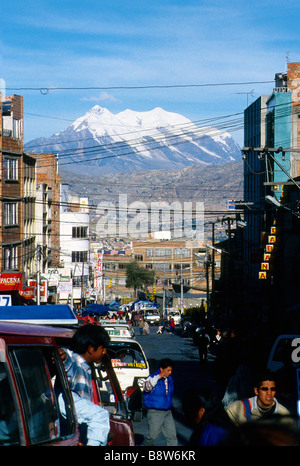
(271, 163)
(17, 205)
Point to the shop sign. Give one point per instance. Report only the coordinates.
(28, 293)
(11, 281)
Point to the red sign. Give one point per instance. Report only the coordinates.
(43, 288)
(11, 281)
(28, 293)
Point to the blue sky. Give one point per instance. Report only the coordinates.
(100, 44)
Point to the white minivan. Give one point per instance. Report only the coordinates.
(129, 362)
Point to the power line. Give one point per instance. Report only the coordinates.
(46, 90)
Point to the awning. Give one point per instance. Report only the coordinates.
(50, 314)
(95, 309)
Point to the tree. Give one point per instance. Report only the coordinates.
(138, 277)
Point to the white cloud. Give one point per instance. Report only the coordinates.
(103, 97)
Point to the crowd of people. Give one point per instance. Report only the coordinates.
(242, 410)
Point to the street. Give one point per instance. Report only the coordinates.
(187, 373)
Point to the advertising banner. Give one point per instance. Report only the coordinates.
(11, 281)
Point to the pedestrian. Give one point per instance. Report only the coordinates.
(157, 395)
(171, 325)
(146, 329)
(89, 345)
(162, 326)
(262, 404)
(216, 341)
(141, 323)
(203, 344)
(205, 413)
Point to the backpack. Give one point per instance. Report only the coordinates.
(247, 408)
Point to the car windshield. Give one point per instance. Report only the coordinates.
(126, 354)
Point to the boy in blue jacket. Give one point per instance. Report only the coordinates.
(158, 393)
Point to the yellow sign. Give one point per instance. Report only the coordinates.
(262, 275)
(267, 256)
(265, 266)
(269, 247)
(273, 230)
(272, 239)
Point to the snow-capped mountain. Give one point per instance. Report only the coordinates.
(101, 142)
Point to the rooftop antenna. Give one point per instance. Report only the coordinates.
(287, 59)
(247, 93)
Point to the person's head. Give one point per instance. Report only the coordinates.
(166, 366)
(200, 404)
(90, 341)
(265, 389)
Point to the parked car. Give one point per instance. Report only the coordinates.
(34, 387)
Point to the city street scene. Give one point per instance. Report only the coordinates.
(150, 226)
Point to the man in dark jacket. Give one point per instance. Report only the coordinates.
(158, 393)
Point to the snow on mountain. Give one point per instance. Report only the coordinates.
(101, 142)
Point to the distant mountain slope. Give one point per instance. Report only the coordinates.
(212, 185)
(100, 142)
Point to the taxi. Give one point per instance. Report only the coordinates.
(129, 361)
(118, 329)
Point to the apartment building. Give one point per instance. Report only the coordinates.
(48, 210)
(74, 247)
(17, 194)
(172, 261)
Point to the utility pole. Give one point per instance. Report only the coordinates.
(181, 285)
(38, 275)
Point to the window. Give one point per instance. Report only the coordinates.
(163, 252)
(10, 213)
(149, 252)
(44, 391)
(163, 267)
(79, 232)
(10, 168)
(182, 252)
(9, 432)
(77, 281)
(11, 258)
(79, 256)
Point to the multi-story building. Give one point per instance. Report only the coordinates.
(174, 262)
(271, 162)
(48, 210)
(74, 246)
(17, 193)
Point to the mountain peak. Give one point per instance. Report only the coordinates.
(131, 140)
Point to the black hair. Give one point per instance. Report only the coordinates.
(262, 377)
(166, 362)
(89, 335)
(196, 398)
